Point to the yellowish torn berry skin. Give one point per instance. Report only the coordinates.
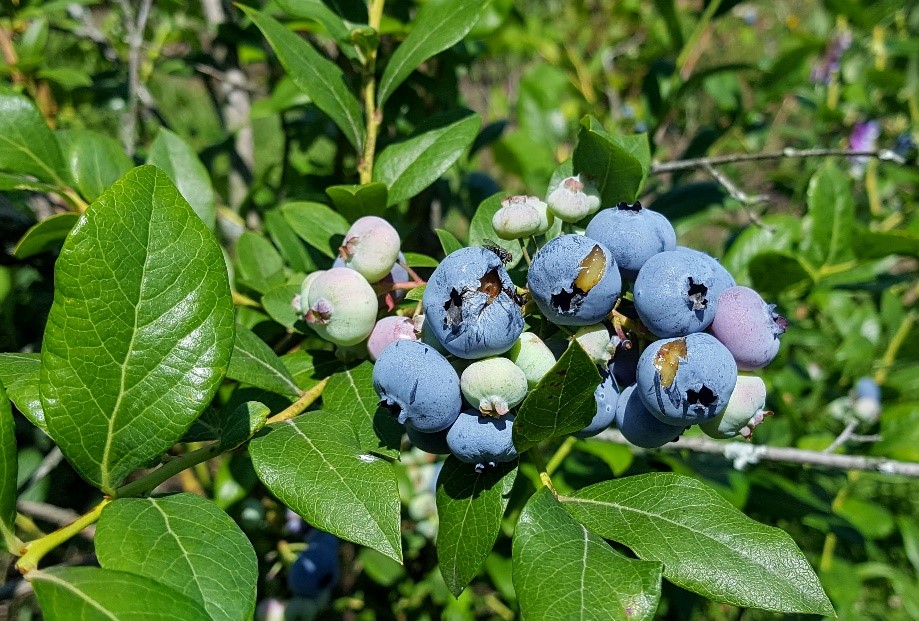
(592, 270)
(667, 360)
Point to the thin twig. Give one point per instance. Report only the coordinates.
(743, 453)
(746, 201)
(49, 463)
(717, 160)
(135, 25)
(844, 436)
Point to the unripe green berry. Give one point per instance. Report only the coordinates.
(573, 199)
(521, 216)
(493, 385)
(532, 356)
(341, 306)
(371, 247)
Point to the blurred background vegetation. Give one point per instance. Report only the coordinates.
(701, 78)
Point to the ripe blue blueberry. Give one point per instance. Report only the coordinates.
(607, 396)
(574, 281)
(673, 294)
(418, 384)
(639, 426)
(686, 380)
(723, 278)
(316, 570)
(633, 235)
(867, 403)
(624, 363)
(470, 304)
(748, 327)
(482, 440)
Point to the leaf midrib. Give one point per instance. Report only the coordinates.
(40, 575)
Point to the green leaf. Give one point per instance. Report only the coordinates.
(140, 332)
(47, 235)
(315, 75)
(242, 423)
(278, 303)
(437, 26)
(350, 392)
(94, 594)
(561, 570)
(186, 543)
(258, 264)
(16, 182)
(879, 244)
(778, 233)
(827, 237)
(94, 161)
(416, 293)
(287, 242)
(318, 12)
(774, 272)
(410, 166)
(315, 465)
(27, 146)
(317, 225)
(357, 201)
(177, 159)
(617, 163)
(562, 402)
(311, 367)
(254, 362)
(704, 542)
(482, 233)
(416, 259)
(448, 241)
(20, 374)
(469, 509)
(9, 468)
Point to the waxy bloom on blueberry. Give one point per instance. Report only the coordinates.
(686, 380)
(532, 356)
(371, 247)
(748, 326)
(470, 304)
(673, 294)
(572, 199)
(521, 216)
(418, 384)
(574, 281)
(340, 306)
(493, 385)
(639, 426)
(607, 396)
(744, 412)
(633, 235)
(482, 440)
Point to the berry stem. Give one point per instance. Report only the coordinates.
(34, 551)
(560, 454)
(372, 114)
(536, 458)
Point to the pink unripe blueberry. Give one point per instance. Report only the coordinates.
(573, 199)
(521, 216)
(532, 356)
(389, 330)
(493, 385)
(341, 306)
(371, 247)
(744, 412)
(748, 327)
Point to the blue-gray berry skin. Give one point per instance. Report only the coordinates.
(417, 384)
(434, 443)
(482, 440)
(673, 294)
(574, 281)
(686, 380)
(633, 235)
(469, 304)
(624, 364)
(639, 426)
(723, 279)
(606, 395)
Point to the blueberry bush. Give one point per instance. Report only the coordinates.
(461, 309)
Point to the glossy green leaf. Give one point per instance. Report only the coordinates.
(27, 146)
(774, 272)
(706, 545)
(94, 594)
(482, 233)
(315, 465)
(350, 392)
(17, 182)
(317, 11)
(357, 201)
(141, 330)
(315, 75)
(617, 163)
(278, 303)
(778, 233)
(254, 362)
(311, 367)
(317, 225)
(416, 293)
(242, 423)
(9, 467)
(258, 264)
(878, 244)
(186, 543)
(408, 167)
(177, 159)
(827, 237)
(47, 235)
(561, 570)
(95, 161)
(469, 509)
(437, 26)
(416, 259)
(562, 402)
(448, 241)
(19, 373)
(207, 427)
(288, 243)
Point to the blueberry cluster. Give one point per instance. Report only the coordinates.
(673, 335)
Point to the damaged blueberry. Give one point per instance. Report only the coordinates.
(676, 294)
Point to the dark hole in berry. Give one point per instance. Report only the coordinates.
(454, 309)
(325, 580)
(697, 292)
(393, 408)
(636, 206)
(566, 301)
(781, 324)
(704, 397)
(490, 284)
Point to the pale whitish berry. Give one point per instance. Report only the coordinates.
(341, 306)
(493, 385)
(521, 216)
(371, 247)
(573, 199)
